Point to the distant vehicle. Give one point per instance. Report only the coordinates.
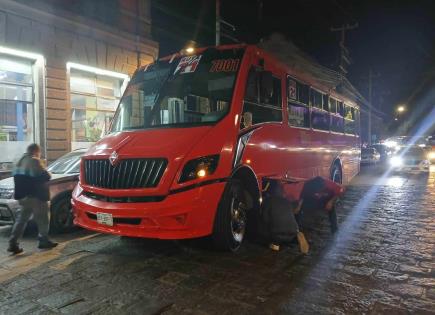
(384, 151)
(65, 172)
(370, 156)
(396, 143)
(413, 158)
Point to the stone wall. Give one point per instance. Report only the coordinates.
(59, 40)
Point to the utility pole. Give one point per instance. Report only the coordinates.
(218, 23)
(345, 59)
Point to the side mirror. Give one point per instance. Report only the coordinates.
(266, 84)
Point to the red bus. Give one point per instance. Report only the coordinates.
(194, 135)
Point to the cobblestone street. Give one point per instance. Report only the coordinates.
(380, 262)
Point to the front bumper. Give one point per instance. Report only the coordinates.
(8, 211)
(186, 214)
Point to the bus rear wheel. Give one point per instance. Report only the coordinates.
(231, 218)
(336, 177)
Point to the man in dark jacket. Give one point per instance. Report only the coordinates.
(32, 192)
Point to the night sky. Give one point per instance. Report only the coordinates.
(396, 39)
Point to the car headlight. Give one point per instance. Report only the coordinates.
(199, 168)
(391, 144)
(396, 161)
(431, 155)
(6, 193)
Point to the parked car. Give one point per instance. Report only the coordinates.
(370, 156)
(384, 151)
(65, 172)
(413, 158)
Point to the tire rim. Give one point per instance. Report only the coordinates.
(64, 216)
(238, 220)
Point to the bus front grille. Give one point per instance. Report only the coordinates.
(127, 174)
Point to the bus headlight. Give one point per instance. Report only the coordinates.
(396, 161)
(199, 168)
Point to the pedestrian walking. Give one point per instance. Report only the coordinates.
(32, 192)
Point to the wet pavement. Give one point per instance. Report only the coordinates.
(380, 262)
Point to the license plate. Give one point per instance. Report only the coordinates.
(105, 218)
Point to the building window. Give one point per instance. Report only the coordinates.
(94, 96)
(17, 111)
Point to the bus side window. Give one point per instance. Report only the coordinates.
(297, 104)
(357, 120)
(349, 120)
(252, 93)
(319, 111)
(337, 122)
(266, 108)
(274, 98)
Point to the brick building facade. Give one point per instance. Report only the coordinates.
(63, 68)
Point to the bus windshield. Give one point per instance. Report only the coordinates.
(187, 91)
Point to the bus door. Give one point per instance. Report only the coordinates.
(262, 118)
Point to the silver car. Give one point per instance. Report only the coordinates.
(64, 176)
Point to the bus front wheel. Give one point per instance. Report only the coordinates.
(231, 218)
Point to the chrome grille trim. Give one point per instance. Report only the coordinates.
(128, 174)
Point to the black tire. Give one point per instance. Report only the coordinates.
(230, 222)
(336, 174)
(61, 216)
(336, 177)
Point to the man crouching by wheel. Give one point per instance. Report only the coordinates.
(283, 207)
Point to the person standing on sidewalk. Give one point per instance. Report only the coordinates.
(32, 192)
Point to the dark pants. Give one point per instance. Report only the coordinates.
(41, 215)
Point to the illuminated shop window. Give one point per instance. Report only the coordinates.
(94, 97)
(17, 112)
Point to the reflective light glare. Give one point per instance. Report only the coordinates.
(396, 161)
(395, 181)
(431, 155)
(401, 108)
(201, 173)
(421, 145)
(190, 50)
(391, 144)
(99, 71)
